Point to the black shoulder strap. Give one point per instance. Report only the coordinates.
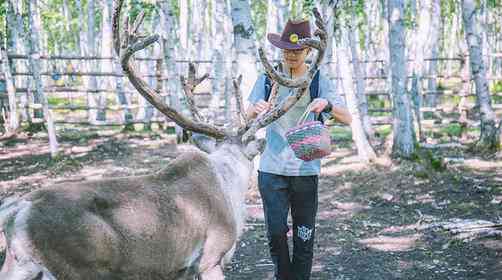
(268, 87)
(268, 83)
(313, 88)
(314, 92)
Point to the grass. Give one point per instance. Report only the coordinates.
(383, 130)
(57, 101)
(496, 87)
(453, 129)
(341, 134)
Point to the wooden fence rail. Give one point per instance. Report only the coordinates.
(464, 93)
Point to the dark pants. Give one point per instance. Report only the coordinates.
(278, 194)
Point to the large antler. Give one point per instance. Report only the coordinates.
(189, 84)
(301, 83)
(128, 43)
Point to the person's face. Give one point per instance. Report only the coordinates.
(294, 58)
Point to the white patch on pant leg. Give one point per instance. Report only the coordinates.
(304, 233)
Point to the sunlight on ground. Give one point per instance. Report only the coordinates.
(26, 150)
(348, 162)
(255, 212)
(388, 243)
(352, 207)
(478, 164)
(396, 229)
(492, 244)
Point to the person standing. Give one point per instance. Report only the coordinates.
(285, 181)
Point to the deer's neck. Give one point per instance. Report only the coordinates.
(234, 171)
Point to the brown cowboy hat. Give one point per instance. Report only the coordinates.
(292, 33)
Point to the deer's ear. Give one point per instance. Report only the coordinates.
(204, 142)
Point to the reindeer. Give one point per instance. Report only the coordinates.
(182, 222)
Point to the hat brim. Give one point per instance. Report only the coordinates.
(275, 39)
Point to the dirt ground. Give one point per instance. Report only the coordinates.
(372, 220)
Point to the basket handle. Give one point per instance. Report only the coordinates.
(304, 116)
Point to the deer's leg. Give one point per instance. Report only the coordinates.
(228, 256)
(214, 273)
(219, 241)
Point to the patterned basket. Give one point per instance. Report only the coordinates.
(309, 140)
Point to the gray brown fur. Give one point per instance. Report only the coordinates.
(147, 227)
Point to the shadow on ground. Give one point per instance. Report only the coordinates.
(369, 218)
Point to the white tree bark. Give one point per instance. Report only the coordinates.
(168, 22)
(34, 61)
(146, 109)
(348, 73)
(81, 37)
(206, 39)
(434, 40)
(13, 124)
(18, 43)
(329, 67)
(220, 53)
(184, 25)
(277, 16)
(358, 71)
(106, 41)
(67, 19)
(93, 99)
(113, 66)
(244, 44)
(404, 134)
(425, 40)
(197, 29)
(489, 138)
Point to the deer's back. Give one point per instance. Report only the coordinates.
(128, 226)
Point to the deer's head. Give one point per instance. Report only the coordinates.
(207, 136)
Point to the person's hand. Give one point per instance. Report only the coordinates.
(261, 106)
(318, 105)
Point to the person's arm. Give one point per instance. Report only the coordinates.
(340, 113)
(256, 99)
(329, 102)
(255, 109)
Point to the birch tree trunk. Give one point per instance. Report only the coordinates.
(219, 50)
(489, 138)
(404, 134)
(434, 40)
(34, 28)
(34, 56)
(244, 44)
(206, 29)
(81, 38)
(184, 26)
(364, 149)
(67, 21)
(328, 66)
(106, 42)
(361, 99)
(92, 83)
(171, 84)
(196, 29)
(146, 109)
(277, 16)
(425, 41)
(13, 119)
(421, 48)
(18, 44)
(113, 65)
(13, 42)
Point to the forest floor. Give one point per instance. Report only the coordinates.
(372, 219)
